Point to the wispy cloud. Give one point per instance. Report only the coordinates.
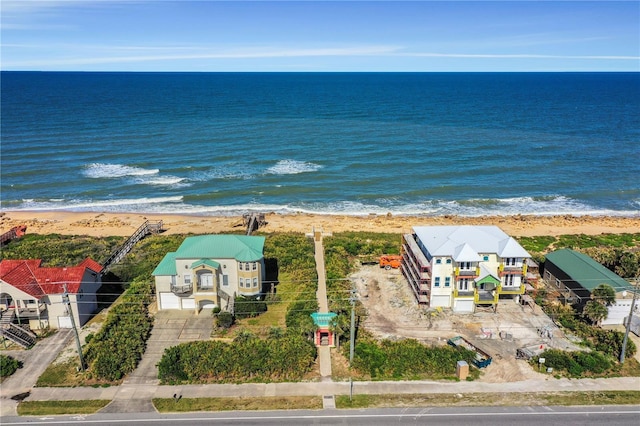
(238, 54)
(517, 56)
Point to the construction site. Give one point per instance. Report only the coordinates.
(509, 335)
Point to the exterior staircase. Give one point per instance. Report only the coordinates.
(17, 334)
(145, 229)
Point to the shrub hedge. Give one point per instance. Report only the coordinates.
(281, 358)
(407, 359)
(116, 349)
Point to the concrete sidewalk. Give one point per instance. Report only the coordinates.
(140, 391)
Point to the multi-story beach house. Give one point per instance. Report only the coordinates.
(45, 297)
(209, 271)
(461, 267)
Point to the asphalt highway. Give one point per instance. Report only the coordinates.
(476, 416)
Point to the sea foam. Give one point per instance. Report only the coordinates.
(292, 167)
(101, 170)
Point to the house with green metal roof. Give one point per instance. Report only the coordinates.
(209, 271)
(576, 275)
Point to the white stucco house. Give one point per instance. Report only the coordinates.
(33, 294)
(461, 267)
(208, 271)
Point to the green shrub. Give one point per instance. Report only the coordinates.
(246, 359)
(576, 364)
(248, 307)
(127, 328)
(8, 365)
(224, 319)
(407, 359)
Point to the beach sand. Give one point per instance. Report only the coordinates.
(124, 224)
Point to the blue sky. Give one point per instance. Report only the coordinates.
(139, 35)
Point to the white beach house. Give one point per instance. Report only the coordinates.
(208, 271)
(461, 267)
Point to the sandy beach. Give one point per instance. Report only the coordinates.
(123, 224)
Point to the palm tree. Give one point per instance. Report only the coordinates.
(604, 294)
(595, 311)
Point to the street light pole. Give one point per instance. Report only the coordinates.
(628, 326)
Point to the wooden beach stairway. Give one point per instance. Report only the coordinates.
(253, 221)
(13, 233)
(23, 337)
(147, 228)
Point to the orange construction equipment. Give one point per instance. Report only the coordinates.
(389, 261)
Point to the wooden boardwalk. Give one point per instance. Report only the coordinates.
(145, 229)
(253, 221)
(13, 233)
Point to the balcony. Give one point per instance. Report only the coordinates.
(512, 289)
(31, 311)
(463, 294)
(182, 290)
(467, 273)
(512, 269)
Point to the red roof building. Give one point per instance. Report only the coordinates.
(31, 292)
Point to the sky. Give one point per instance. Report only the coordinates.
(324, 36)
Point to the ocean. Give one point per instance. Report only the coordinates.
(465, 144)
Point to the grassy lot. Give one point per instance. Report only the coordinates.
(66, 375)
(287, 292)
(169, 405)
(48, 408)
(494, 399)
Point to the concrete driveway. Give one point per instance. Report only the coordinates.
(170, 329)
(34, 362)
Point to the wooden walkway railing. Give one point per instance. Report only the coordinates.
(145, 229)
(15, 232)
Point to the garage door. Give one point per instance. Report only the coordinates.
(64, 322)
(207, 304)
(188, 304)
(440, 301)
(169, 301)
(464, 306)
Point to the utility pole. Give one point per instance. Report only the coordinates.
(65, 299)
(628, 327)
(352, 339)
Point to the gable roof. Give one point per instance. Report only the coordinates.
(208, 262)
(29, 277)
(445, 240)
(588, 273)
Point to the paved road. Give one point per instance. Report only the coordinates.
(480, 416)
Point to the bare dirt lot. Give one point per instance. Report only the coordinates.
(392, 313)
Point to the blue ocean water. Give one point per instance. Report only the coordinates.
(347, 143)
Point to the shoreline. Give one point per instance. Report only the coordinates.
(124, 224)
